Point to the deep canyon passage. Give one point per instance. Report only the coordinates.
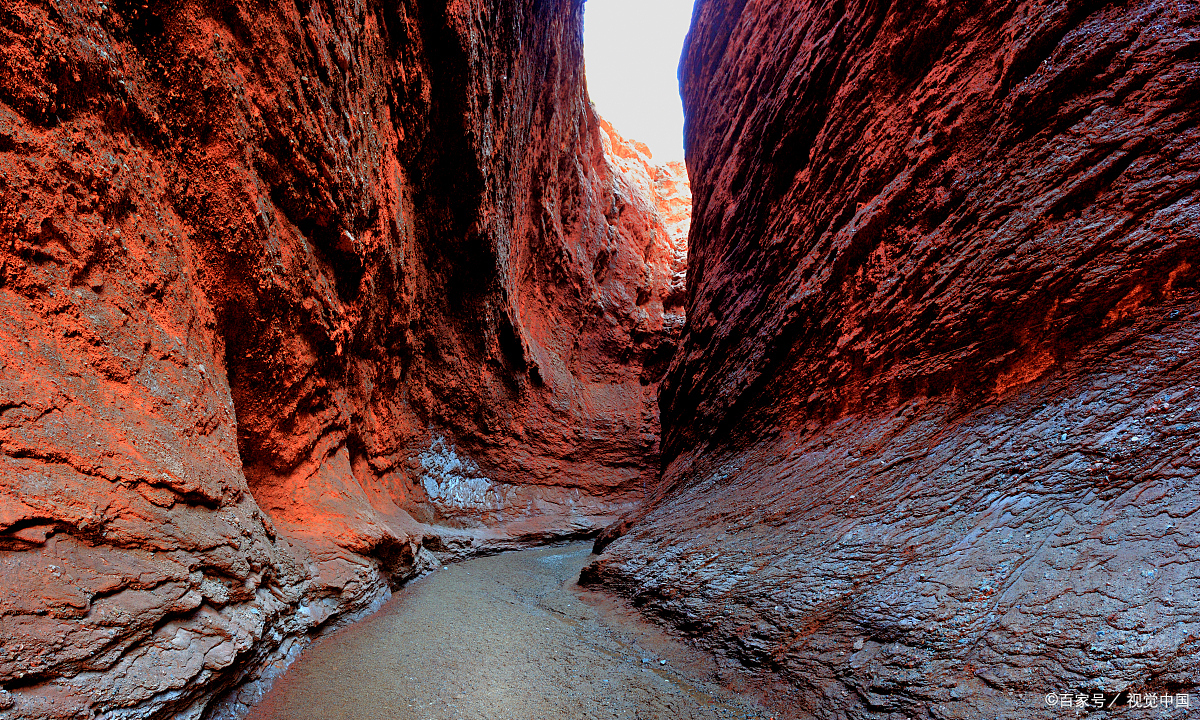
(889, 397)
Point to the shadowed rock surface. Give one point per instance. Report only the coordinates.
(292, 298)
(930, 435)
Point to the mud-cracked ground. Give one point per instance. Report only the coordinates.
(508, 636)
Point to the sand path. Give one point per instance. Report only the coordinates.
(503, 637)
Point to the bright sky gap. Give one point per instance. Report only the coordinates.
(631, 52)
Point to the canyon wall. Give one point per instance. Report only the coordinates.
(930, 437)
(296, 302)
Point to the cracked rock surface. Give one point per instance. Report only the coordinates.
(930, 435)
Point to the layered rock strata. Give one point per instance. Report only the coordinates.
(930, 437)
(298, 301)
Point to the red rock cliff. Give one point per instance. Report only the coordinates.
(930, 433)
(298, 300)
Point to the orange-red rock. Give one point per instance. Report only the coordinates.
(298, 301)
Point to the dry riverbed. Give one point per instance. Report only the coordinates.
(504, 637)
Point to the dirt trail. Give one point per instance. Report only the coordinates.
(501, 637)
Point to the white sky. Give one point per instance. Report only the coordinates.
(631, 50)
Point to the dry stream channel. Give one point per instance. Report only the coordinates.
(505, 637)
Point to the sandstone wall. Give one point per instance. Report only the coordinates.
(298, 300)
(931, 432)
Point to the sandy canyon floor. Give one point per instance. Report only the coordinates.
(508, 636)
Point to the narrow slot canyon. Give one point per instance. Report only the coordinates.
(882, 406)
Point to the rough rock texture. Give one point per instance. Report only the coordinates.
(930, 437)
(291, 297)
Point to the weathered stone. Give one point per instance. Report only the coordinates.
(930, 433)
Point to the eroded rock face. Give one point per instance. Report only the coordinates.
(297, 301)
(930, 433)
